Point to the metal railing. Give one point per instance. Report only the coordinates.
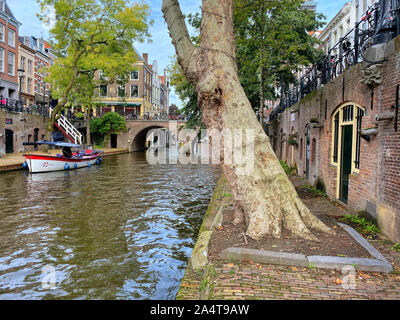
(69, 128)
(380, 23)
(13, 105)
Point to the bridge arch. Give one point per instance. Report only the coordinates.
(139, 141)
(138, 131)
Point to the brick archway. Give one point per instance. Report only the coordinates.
(139, 129)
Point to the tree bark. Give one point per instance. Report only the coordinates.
(266, 200)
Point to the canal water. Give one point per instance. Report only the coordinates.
(124, 230)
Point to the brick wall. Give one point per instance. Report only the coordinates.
(378, 180)
(5, 75)
(22, 125)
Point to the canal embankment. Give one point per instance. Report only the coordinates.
(195, 284)
(252, 277)
(14, 161)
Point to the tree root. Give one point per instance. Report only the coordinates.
(289, 212)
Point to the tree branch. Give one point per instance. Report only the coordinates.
(178, 31)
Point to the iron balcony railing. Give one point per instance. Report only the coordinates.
(13, 105)
(381, 23)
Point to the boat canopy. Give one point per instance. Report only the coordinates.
(49, 143)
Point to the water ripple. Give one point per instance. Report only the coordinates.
(121, 231)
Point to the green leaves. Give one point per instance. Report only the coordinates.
(361, 224)
(276, 39)
(110, 123)
(92, 35)
(186, 93)
(272, 39)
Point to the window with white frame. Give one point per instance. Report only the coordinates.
(22, 65)
(23, 84)
(121, 91)
(11, 38)
(134, 91)
(135, 75)
(29, 88)
(1, 59)
(30, 64)
(11, 64)
(2, 32)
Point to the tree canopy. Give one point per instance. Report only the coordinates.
(91, 35)
(273, 42)
(110, 123)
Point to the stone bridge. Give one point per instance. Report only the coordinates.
(135, 138)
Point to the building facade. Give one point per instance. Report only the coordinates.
(42, 62)
(8, 53)
(344, 21)
(26, 62)
(347, 140)
(132, 100)
(310, 5)
(164, 94)
(156, 95)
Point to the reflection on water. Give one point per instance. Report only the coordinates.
(121, 231)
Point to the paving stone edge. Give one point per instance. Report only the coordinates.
(379, 264)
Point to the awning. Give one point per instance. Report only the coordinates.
(123, 104)
(57, 144)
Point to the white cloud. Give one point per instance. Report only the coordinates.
(49, 21)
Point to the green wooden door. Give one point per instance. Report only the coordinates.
(346, 162)
(9, 141)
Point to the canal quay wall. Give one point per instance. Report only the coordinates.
(17, 128)
(256, 276)
(324, 136)
(195, 284)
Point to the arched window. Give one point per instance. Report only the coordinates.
(347, 115)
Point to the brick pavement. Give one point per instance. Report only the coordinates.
(226, 280)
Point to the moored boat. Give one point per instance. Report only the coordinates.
(68, 160)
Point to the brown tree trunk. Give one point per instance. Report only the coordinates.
(266, 199)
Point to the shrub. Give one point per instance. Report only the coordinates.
(290, 171)
(396, 247)
(110, 123)
(362, 225)
(314, 190)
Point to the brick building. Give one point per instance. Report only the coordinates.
(133, 98)
(164, 93)
(26, 62)
(43, 60)
(8, 53)
(343, 136)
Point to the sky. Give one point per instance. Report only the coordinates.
(161, 48)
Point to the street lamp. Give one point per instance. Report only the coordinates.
(21, 75)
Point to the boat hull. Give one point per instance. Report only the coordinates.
(37, 163)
